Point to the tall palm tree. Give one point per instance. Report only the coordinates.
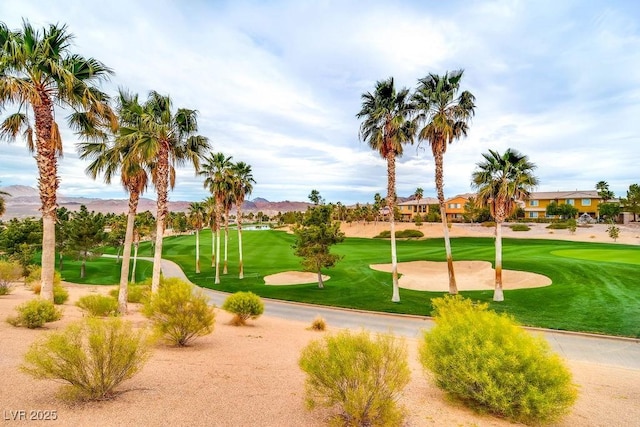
(197, 217)
(38, 69)
(2, 204)
(217, 172)
(418, 194)
(242, 186)
(501, 180)
(387, 125)
(116, 157)
(444, 118)
(210, 219)
(171, 140)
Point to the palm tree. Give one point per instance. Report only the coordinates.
(418, 194)
(197, 217)
(171, 140)
(501, 180)
(37, 69)
(242, 186)
(216, 170)
(2, 204)
(386, 127)
(118, 157)
(444, 118)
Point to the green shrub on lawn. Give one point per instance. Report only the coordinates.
(360, 376)
(490, 363)
(35, 313)
(136, 292)
(179, 313)
(401, 234)
(9, 272)
(97, 305)
(244, 305)
(92, 356)
(520, 227)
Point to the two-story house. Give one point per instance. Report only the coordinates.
(454, 207)
(584, 201)
(411, 208)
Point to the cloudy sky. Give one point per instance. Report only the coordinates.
(278, 84)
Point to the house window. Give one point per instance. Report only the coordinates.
(533, 214)
(586, 202)
(533, 203)
(571, 202)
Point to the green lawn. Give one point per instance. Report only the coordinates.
(595, 286)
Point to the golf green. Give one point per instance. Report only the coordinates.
(627, 256)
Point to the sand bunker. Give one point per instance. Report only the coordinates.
(470, 276)
(293, 278)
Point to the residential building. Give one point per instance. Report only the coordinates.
(411, 208)
(584, 201)
(454, 207)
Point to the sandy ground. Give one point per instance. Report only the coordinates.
(248, 376)
(470, 276)
(293, 278)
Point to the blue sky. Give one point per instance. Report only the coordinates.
(278, 84)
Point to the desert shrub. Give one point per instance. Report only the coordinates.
(9, 272)
(178, 313)
(136, 292)
(33, 279)
(417, 220)
(520, 227)
(558, 226)
(35, 313)
(318, 324)
(488, 224)
(359, 376)
(244, 305)
(92, 356)
(404, 234)
(97, 305)
(60, 294)
(490, 363)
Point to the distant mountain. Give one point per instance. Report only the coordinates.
(25, 202)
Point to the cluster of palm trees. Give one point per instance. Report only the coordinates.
(140, 142)
(438, 113)
(229, 184)
(434, 113)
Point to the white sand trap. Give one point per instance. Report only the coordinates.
(293, 278)
(470, 276)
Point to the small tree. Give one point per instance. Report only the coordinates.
(632, 201)
(85, 235)
(609, 211)
(245, 306)
(614, 231)
(314, 238)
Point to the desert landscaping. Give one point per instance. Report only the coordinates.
(249, 375)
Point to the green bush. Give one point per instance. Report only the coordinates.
(60, 295)
(178, 313)
(35, 313)
(245, 305)
(136, 292)
(558, 226)
(92, 356)
(489, 362)
(9, 272)
(403, 234)
(97, 305)
(488, 224)
(359, 376)
(520, 227)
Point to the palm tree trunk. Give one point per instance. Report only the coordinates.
(391, 194)
(226, 242)
(498, 295)
(213, 246)
(197, 250)
(162, 186)
(123, 292)
(239, 221)
(135, 261)
(48, 186)
(438, 157)
(218, 221)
